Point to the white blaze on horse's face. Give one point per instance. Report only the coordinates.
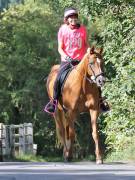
(100, 79)
(98, 60)
(95, 64)
(99, 64)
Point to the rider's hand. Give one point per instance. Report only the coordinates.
(68, 59)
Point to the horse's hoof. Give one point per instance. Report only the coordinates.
(67, 159)
(99, 161)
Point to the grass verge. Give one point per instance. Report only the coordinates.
(127, 154)
(33, 158)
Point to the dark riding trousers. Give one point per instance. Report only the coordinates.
(64, 66)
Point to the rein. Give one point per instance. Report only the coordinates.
(93, 78)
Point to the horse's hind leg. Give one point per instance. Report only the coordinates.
(70, 137)
(62, 129)
(94, 116)
(66, 133)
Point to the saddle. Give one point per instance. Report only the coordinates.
(66, 73)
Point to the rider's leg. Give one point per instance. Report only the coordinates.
(104, 106)
(51, 106)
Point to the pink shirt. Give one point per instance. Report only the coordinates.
(74, 41)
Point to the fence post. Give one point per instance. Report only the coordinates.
(11, 129)
(28, 133)
(4, 141)
(21, 140)
(7, 140)
(1, 147)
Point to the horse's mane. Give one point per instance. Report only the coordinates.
(83, 63)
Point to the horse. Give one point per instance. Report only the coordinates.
(80, 93)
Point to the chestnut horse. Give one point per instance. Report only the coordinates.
(79, 94)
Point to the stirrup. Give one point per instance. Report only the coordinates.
(52, 102)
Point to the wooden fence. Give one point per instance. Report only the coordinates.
(16, 140)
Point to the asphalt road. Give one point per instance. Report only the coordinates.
(66, 171)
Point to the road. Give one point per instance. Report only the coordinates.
(66, 171)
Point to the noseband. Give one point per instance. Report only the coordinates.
(94, 76)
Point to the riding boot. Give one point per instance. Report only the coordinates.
(104, 106)
(52, 105)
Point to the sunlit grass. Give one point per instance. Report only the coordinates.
(128, 154)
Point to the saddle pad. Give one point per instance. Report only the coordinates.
(66, 72)
(64, 76)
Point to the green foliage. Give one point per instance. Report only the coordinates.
(119, 42)
(35, 158)
(28, 49)
(27, 42)
(126, 154)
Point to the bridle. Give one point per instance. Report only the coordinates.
(94, 77)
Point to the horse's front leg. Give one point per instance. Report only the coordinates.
(94, 116)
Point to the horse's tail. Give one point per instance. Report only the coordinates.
(48, 79)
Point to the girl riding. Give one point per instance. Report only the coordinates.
(72, 46)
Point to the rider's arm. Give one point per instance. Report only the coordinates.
(60, 49)
(61, 43)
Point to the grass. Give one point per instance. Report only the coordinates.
(33, 158)
(125, 155)
(90, 158)
(128, 155)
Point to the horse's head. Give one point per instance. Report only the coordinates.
(95, 66)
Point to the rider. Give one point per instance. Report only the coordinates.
(72, 46)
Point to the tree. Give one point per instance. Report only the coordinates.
(28, 49)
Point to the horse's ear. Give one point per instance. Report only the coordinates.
(91, 50)
(101, 50)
